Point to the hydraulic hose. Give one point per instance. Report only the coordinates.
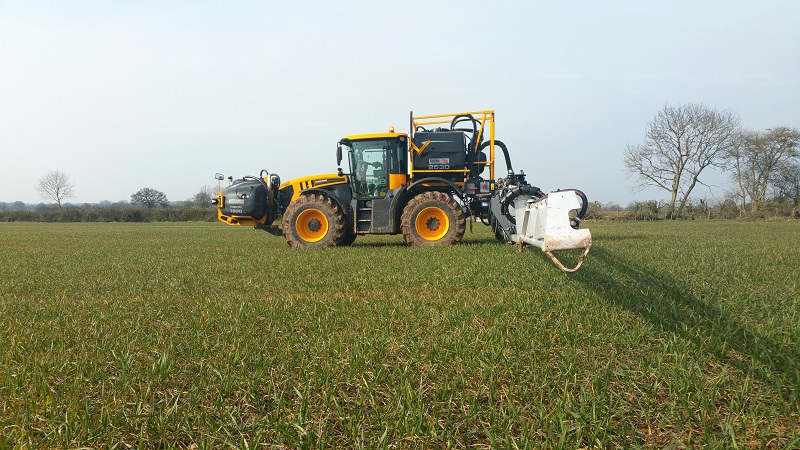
(513, 193)
(503, 148)
(465, 118)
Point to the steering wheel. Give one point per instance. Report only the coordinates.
(375, 164)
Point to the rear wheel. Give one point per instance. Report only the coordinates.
(433, 218)
(313, 221)
(348, 239)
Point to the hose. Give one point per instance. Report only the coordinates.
(503, 148)
(463, 118)
(513, 193)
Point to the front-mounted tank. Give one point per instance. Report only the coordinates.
(245, 197)
(249, 200)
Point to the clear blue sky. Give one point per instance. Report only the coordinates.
(122, 95)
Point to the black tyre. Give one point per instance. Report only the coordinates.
(433, 218)
(348, 239)
(313, 221)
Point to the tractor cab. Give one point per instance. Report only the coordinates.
(378, 163)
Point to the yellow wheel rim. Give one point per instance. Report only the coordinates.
(432, 223)
(311, 225)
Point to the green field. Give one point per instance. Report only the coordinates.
(199, 335)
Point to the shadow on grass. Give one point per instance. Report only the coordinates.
(361, 242)
(665, 304)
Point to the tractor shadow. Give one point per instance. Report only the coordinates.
(668, 307)
(395, 241)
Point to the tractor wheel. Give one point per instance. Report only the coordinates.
(348, 239)
(433, 218)
(313, 221)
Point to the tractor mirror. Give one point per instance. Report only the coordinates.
(338, 155)
(219, 176)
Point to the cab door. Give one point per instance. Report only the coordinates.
(378, 173)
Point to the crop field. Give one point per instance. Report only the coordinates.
(200, 335)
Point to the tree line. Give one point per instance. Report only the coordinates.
(110, 214)
(146, 205)
(57, 186)
(682, 142)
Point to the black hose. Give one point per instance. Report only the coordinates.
(513, 193)
(503, 148)
(463, 118)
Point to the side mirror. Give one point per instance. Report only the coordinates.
(219, 176)
(338, 155)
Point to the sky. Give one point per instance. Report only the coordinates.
(163, 94)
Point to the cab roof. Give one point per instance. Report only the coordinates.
(359, 137)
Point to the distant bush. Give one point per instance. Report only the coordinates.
(647, 210)
(774, 209)
(190, 214)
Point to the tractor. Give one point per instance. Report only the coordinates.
(425, 185)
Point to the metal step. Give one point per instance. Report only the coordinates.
(364, 220)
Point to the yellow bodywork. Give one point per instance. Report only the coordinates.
(314, 181)
(358, 137)
(233, 220)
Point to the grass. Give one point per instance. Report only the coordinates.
(196, 335)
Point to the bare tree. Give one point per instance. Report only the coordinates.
(149, 197)
(786, 183)
(203, 197)
(55, 185)
(679, 144)
(761, 158)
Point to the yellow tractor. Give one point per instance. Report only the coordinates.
(424, 184)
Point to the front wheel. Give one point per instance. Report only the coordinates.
(313, 221)
(433, 218)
